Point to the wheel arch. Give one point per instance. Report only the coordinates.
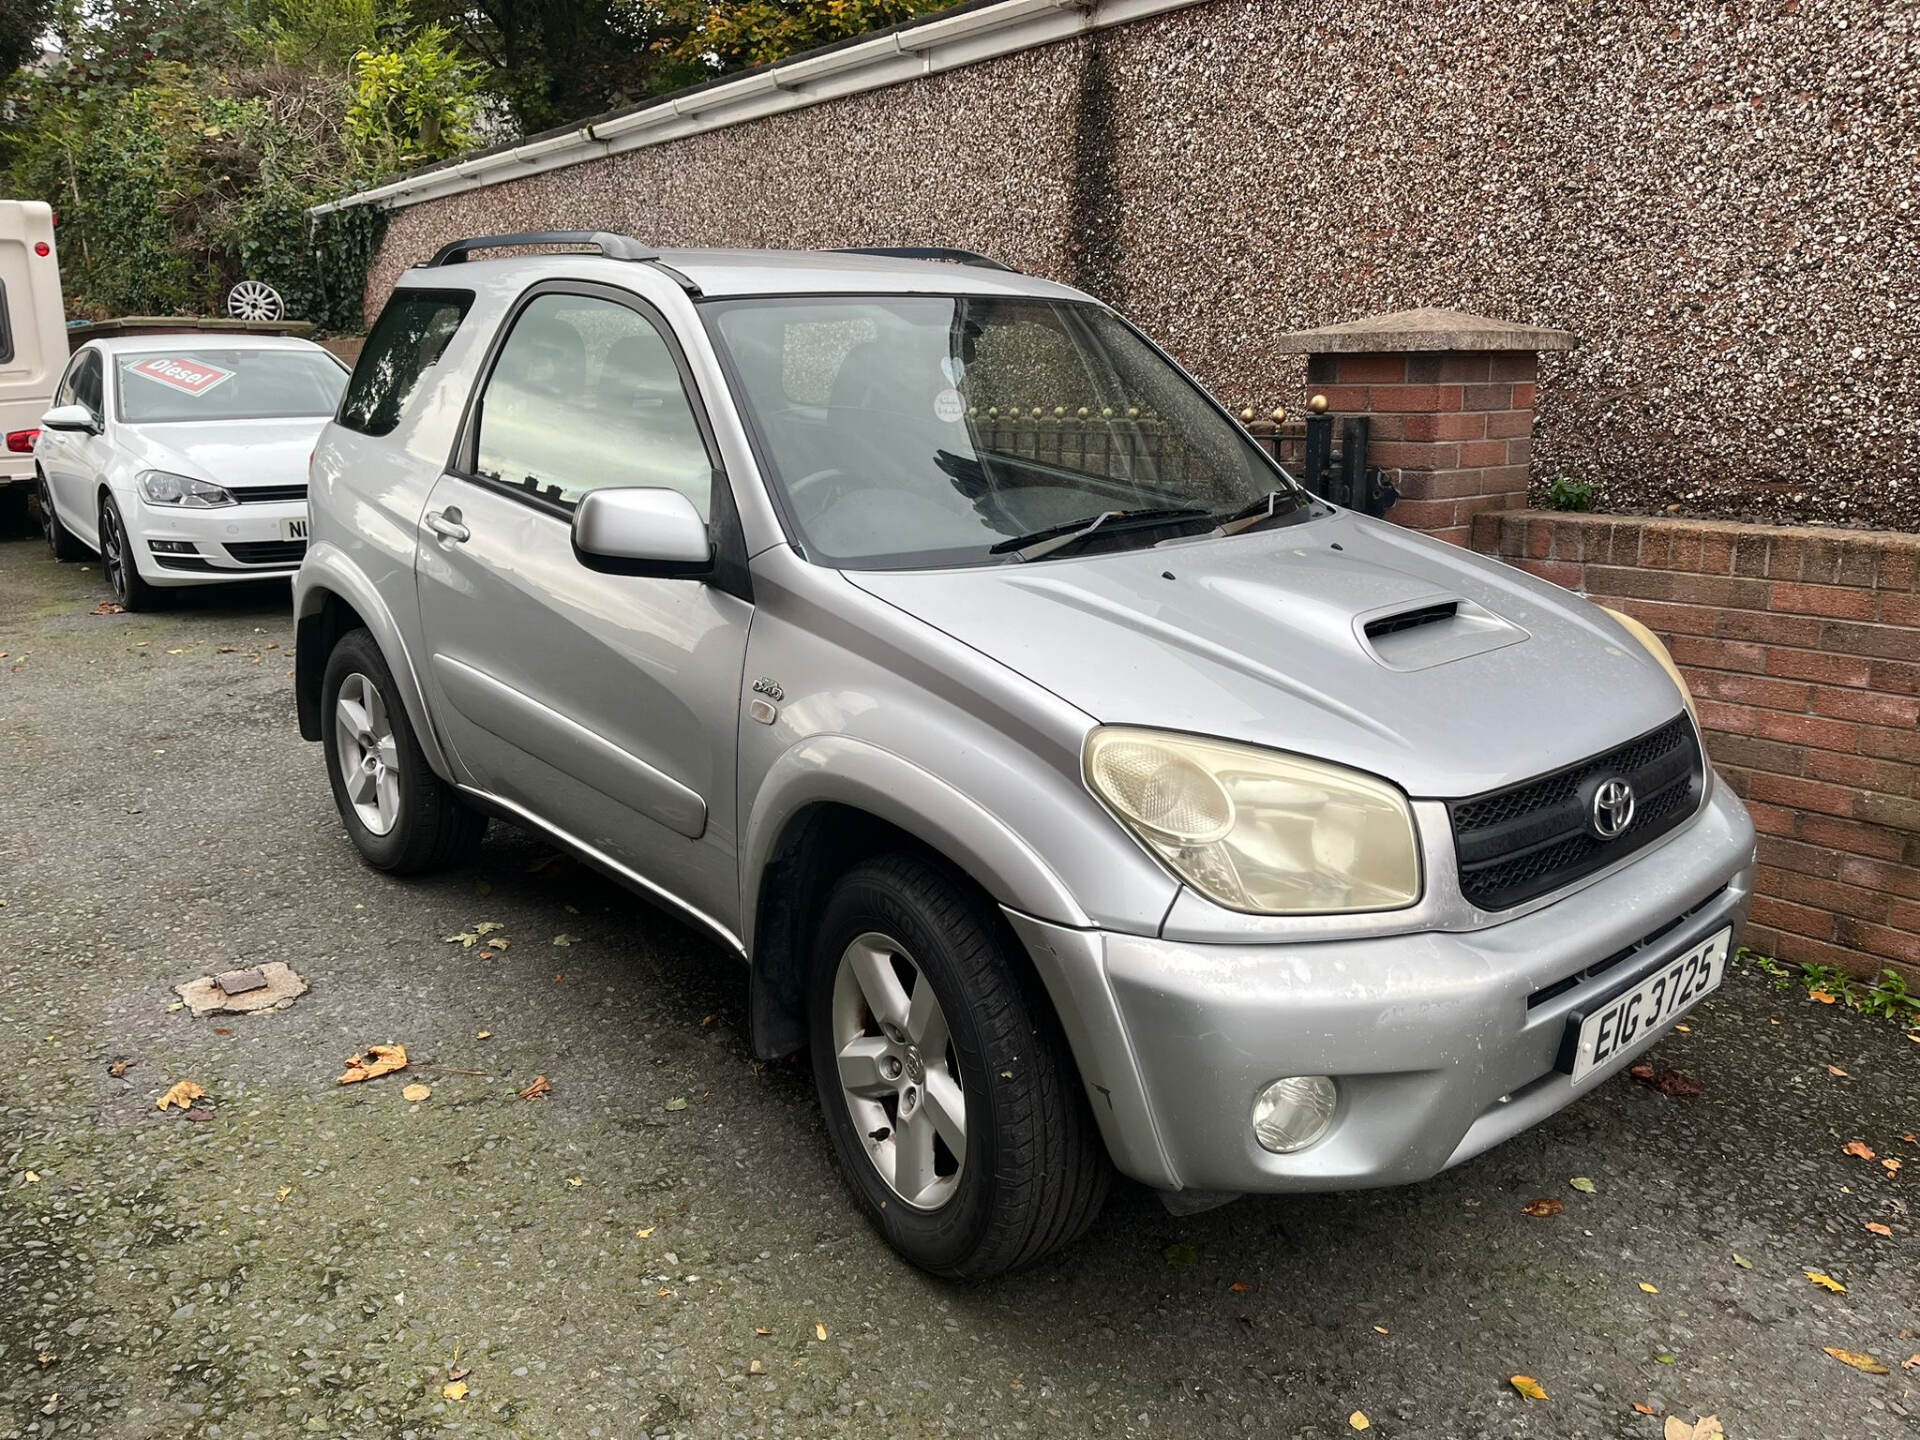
(331, 599)
(831, 802)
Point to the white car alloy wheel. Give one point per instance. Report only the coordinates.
(369, 759)
(255, 300)
(897, 1071)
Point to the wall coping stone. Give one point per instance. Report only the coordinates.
(1427, 328)
(1489, 524)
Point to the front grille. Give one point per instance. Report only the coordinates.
(1521, 842)
(261, 494)
(267, 552)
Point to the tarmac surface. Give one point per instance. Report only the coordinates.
(605, 1261)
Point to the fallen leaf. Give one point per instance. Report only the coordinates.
(1860, 1148)
(1240, 1287)
(45, 1358)
(1825, 997)
(33, 1177)
(1911, 1140)
(1825, 1281)
(181, 1096)
(761, 1330)
(109, 607)
(1707, 1427)
(1684, 1029)
(709, 1020)
(1381, 1330)
(1884, 1231)
(1664, 1358)
(1912, 1362)
(1670, 1083)
(1180, 1255)
(1650, 1289)
(483, 1035)
(819, 1330)
(458, 1372)
(197, 1114)
(280, 1195)
(455, 1391)
(1545, 1206)
(644, 1233)
(563, 939)
(1866, 1364)
(379, 1060)
(1645, 1409)
(177, 652)
(222, 1030)
(754, 1367)
(1743, 1262)
(540, 1086)
(574, 1182)
(1892, 1167)
(416, 1092)
(119, 1068)
(679, 1102)
(1583, 1185)
(1358, 1420)
(1836, 1070)
(1527, 1386)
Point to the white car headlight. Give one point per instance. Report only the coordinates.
(1258, 830)
(163, 487)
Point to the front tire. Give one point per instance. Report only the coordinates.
(955, 1110)
(401, 817)
(61, 543)
(116, 559)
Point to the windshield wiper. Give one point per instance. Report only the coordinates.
(1259, 512)
(1057, 537)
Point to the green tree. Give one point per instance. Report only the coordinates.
(411, 105)
(24, 25)
(715, 37)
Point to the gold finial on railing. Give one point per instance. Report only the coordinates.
(1081, 414)
(1279, 414)
(1037, 412)
(1246, 415)
(1318, 404)
(1059, 412)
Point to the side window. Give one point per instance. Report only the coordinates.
(586, 395)
(6, 327)
(408, 339)
(86, 384)
(67, 394)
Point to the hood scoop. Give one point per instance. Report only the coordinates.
(1433, 632)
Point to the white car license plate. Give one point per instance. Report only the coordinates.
(1634, 1014)
(294, 529)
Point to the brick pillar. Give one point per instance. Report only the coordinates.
(1451, 400)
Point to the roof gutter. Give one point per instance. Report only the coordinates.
(931, 47)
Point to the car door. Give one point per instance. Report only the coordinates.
(72, 459)
(603, 705)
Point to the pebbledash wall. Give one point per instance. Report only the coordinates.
(1720, 201)
(1802, 651)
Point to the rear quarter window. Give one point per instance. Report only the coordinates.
(407, 341)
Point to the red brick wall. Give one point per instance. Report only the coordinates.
(1802, 647)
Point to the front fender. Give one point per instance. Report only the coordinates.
(838, 769)
(327, 571)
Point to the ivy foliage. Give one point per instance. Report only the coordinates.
(182, 143)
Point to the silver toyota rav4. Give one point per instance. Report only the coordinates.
(1083, 793)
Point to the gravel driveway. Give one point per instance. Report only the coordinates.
(661, 1246)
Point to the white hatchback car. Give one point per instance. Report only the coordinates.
(182, 459)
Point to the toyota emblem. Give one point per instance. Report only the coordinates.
(1612, 809)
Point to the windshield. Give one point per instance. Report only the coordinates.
(912, 430)
(166, 385)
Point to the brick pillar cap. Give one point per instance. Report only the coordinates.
(1428, 328)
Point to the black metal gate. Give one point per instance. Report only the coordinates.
(1335, 472)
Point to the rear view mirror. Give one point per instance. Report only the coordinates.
(70, 417)
(642, 531)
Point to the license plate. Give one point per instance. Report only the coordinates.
(294, 529)
(1634, 1014)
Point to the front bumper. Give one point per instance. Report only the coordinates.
(232, 542)
(1443, 1043)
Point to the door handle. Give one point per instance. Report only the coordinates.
(446, 524)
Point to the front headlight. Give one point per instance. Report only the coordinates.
(1651, 643)
(163, 487)
(1257, 830)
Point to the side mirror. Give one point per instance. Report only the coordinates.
(642, 531)
(71, 417)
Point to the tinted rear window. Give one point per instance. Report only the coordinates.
(407, 341)
(6, 327)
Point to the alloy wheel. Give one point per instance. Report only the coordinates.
(898, 1071)
(48, 520)
(113, 551)
(369, 758)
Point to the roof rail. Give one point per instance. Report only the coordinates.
(614, 247)
(928, 252)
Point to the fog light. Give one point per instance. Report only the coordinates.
(1292, 1113)
(173, 547)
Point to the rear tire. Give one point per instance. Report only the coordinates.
(401, 817)
(1030, 1172)
(61, 543)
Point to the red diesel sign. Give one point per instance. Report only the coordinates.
(192, 376)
